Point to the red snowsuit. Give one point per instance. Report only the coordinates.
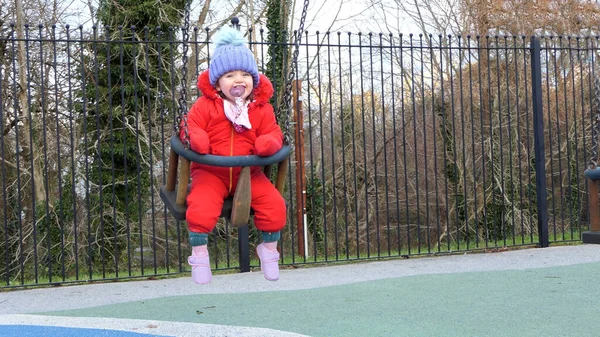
(211, 132)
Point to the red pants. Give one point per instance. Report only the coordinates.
(208, 192)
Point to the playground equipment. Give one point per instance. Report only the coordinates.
(593, 174)
(235, 209)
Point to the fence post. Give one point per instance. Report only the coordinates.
(300, 175)
(538, 137)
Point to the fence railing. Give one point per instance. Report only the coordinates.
(405, 145)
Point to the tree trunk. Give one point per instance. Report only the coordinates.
(480, 18)
(25, 134)
(251, 26)
(195, 48)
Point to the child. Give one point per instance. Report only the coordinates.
(233, 118)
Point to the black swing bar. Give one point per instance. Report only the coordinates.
(229, 161)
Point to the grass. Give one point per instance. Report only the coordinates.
(443, 249)
(295, 261)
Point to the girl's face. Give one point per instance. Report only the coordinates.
(234, 84)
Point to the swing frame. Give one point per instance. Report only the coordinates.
(593, 235)
(236, 209)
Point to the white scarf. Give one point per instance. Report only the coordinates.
(238, 115)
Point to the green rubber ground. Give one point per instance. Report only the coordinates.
(556, 301)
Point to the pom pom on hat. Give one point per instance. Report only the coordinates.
(231, 54)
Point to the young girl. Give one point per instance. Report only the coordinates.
(233, 117)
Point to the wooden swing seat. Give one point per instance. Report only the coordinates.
(178, 211)
(235, 209)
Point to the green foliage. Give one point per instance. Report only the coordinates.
(451, 171)
(276, 67)
(124, 100)
(314, 208)
(140, 13)
(53, 230)
(9, 247)
(573, 189)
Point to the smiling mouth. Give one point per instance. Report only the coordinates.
(237, 91)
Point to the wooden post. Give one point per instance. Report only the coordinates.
(240, 207)
(300, 175)
(184, 179)
(594, 211)
(282, 169)
(172, 171)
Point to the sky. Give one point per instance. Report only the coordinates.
(323, 15)
(352, 15)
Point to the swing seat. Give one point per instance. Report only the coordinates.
(178, 211)
(237, 208)
(593, 235)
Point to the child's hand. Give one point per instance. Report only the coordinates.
(199, 141)
(267, 145)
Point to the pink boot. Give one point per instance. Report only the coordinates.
(201, 272)
(269, 260)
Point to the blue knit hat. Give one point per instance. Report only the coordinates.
(231, 54)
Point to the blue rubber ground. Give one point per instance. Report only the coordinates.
(41, 331)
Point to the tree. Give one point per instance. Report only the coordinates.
(28, 81)
(279, 52)
(492, 72)
(126, 94)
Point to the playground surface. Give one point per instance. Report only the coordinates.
(530, 292)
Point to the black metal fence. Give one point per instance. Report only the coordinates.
(409, 144)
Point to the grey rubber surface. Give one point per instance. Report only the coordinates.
(544, 291)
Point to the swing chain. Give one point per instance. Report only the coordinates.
(287, 97)
(182, 116)
(596, 124)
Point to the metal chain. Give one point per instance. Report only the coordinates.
(596, 124)
(287, 96)
(183, 109)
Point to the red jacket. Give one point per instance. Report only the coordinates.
(211, 132)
